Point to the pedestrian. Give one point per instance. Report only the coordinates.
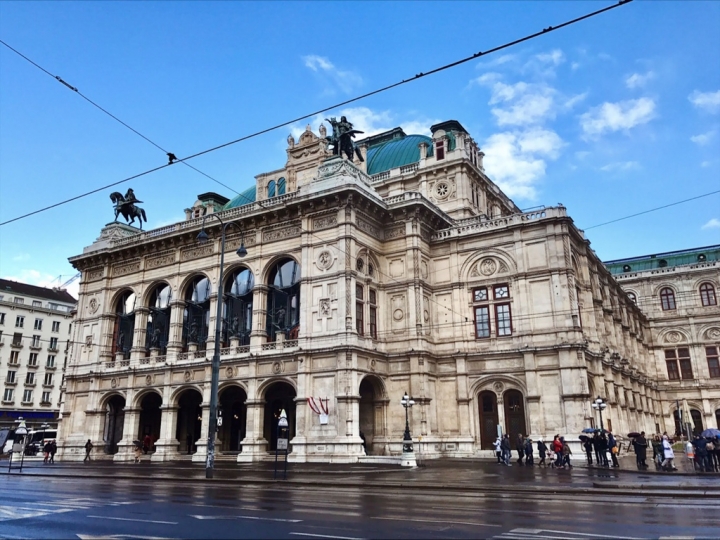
(566, 453)
(46, 452)
(498, 450)
(557, 450)
(147, 443)
(701, 454)
(53, 450)
(658, 453)
(529, 452)
(604, 450)
(505, 446)
(520, 447)
(596, 446)
(668, 454)
(189, 442)
(641, 450)
(88, 449)
(364, 442)
(542, 450)
(138, 453)
(612, 444)
(588, 450)
(716, 454)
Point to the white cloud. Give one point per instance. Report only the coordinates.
(570, 103)
(516, 160)
(622, 115)
(575, 66)
(554, 57)
(523, 103)
(620, 166)
(714, 223)
(706, 163)
(637, 80)
(707, 101)
(582, 154)
(703, 138)
(21, 257)
(347, 81)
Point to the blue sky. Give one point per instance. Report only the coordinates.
(612, 116)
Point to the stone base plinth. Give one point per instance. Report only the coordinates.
(407, 459)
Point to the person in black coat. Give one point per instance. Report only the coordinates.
(529, 452)
(520, 447)
(640, 444)
(588, 450)
(505, 446)
(542, 451)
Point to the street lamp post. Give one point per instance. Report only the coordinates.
(202, 237)
(600, 405)
(408, 455)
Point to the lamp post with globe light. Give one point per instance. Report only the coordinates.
(202, 237)
(408, 455)
(600, 405)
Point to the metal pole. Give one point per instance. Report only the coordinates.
(215, 377)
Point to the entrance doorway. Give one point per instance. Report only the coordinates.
(234, 414)
(514, 414)
(371, 413)
(488, 413)
(114, 420)
(150, 417)
(278, 396)
(189, 422)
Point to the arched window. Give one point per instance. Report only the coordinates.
(271, 188)
(707, 295)
(238, 306)
(281, 186)
(667, 299)
(158, 325)
(283, 308)
(196, 320)
(124, 324)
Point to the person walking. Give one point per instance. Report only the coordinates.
(716, 454)
(596, 446)
(588, 450)
(542, 450)
(520, 447)
(147, 444)
(641, 450)
(53, 450)
(668, 454)
(88, 449)
(498, 450)
(505, 446)
(603, 442)
(566, 453)
(658, 454)
(612, 444)
(529, 452)
(557, 449)
(46, 452)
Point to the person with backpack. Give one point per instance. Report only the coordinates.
(612, 444)
(505, 446)
(542, 450)
(566, 453)
(46, 452)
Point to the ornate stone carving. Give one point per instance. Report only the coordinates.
(503, 267)
(159, 260)
(229, 372)
(325, 260)
(188, 376)
(89, 342)
(498, 387)
(93, 274)
(487, 267)
(196, 252)
(373, 364)
(93, 305)
(113, 383)
(324, 222)
(278, 368)
(279, 234)
(324, 307)
(369, 228)
(124, 269)
(397, 232)
(713, 333)
(148, 380)
(398, 315)
(673, 337)
(424, 269)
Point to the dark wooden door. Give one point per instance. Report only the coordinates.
(487, 403)
(514, 415)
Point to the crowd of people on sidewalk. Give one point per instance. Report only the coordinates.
(49, 451)
(556, 455)
(600, 444)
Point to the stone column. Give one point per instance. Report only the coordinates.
(201, 453)
(140, 333)
(258, 334)
(254, 445)
(177, 311)
(210, 343)
(166, 447)
(130, 433)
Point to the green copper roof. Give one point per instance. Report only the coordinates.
(396, 153)
(665, 260)
(245, 197)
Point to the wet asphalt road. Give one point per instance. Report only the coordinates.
(45, 507)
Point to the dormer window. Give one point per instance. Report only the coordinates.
(439, 150)
(281, 186)
(271, 189)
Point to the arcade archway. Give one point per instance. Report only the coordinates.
(150, 417)
(488, 414)
(278, 396)
(189, 420)
(514, 414)
(234, 414)
(114, 420)
(371, 413)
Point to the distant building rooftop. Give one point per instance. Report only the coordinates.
(664, 260)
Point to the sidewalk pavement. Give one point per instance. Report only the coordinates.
(467, 475)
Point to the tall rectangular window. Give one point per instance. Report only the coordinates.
(685, 364)
(14, 358)
(2, 318)
(672, 365)
(713, 362)
(48, 380)
(678, 364)
(17, 339)
(439, 150)
(33, 360)
(56, 326)
(50, 360)
(19, 321)
(53, 342)
(372, 312)
(27, 396)
(30, 378)
(45, 397)
(503, 321)
(482, 322)
(10, 376)
(36, 341)
(38, 324)
(9, 394)
(359, 308)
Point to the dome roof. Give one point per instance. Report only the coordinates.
(245, 197)
(396, 153)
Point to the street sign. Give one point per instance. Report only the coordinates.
(282, 444)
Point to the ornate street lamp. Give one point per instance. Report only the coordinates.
(407, 402)
(202, 237)
(599, 405)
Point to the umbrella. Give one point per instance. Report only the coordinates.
(711, 432)
(583, 438)
(590, 430)
(633, 434)
(137, 443)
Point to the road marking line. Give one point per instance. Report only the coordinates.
(325, 536)
(140, 520)
(438, 521)
(591, 535)
(248, 517)
(489, 510)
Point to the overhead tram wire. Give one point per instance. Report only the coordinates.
(335, 106)
(79, 93)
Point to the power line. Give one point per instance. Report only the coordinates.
(74, 89)
(652, 210)
(335, 106)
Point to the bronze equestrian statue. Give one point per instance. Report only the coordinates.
(126, 206)
(342, 138)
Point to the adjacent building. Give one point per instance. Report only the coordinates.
(35, 328)
(677, 291)
(407, 271)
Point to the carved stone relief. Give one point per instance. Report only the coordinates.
(196, 252)
(127, 268)
(282, 233)
(325, 307)
(325, 260)
(324, 222)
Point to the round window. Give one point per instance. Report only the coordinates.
(442, 189)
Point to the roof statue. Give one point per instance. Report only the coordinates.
(342, 138)
(126, 206)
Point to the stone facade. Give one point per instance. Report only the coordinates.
(421, 278)
(678, 293)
